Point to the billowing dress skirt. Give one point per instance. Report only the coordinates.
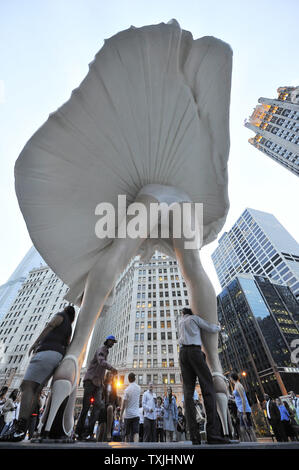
(153, 109)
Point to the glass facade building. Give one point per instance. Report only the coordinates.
(258, 244)
(260, 328)
(276, 125)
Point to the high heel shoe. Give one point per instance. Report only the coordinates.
(222, 404)
(63, 391)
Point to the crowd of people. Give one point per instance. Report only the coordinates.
(283, 417)
(137, 417)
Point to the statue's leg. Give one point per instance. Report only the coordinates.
(109, 421)
(203, 302)
(100, 281)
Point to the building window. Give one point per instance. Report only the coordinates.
(135, 363)
(140, 379)
(164, 379)
(172, 378)
(164, 362)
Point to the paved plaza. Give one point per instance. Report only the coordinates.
(161, 454)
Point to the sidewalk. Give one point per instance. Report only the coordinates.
(262, 444)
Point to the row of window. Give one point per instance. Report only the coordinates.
(153, 313)
(153, 324)
(166, 379)
(152, 349)
(154, 336)
(162, 303)
(152, 363)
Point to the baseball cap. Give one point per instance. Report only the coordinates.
(112, 337)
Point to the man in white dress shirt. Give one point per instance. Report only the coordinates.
(130, 406)
(149, 404)
(193, 365)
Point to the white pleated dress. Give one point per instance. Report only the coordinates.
(152, 110)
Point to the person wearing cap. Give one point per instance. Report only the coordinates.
(92, 384)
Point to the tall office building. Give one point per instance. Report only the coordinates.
(276, 125)
(260, 330)
(143, 317)
(38, 299)
(257, 243)
(9, 290)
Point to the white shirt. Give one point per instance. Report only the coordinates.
(149, 403)
(189, 328)
(132, 395)
(141, 417)
(268, 409)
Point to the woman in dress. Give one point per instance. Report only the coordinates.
(170, 415)
(244, 410)
(150, 122)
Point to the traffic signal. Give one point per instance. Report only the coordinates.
(92, 400)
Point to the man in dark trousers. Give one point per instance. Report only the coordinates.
(193, 365)
(92, 384)
(274, 418)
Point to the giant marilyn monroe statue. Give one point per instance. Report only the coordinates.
(150, 121)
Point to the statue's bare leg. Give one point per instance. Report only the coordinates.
(203, 302)
(100, 281)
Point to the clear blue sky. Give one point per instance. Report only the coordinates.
(45, 48)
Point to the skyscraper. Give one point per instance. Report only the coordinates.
(8, 291)
(143, 317)
(276, 125)
(260, 329)
(257, 243)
